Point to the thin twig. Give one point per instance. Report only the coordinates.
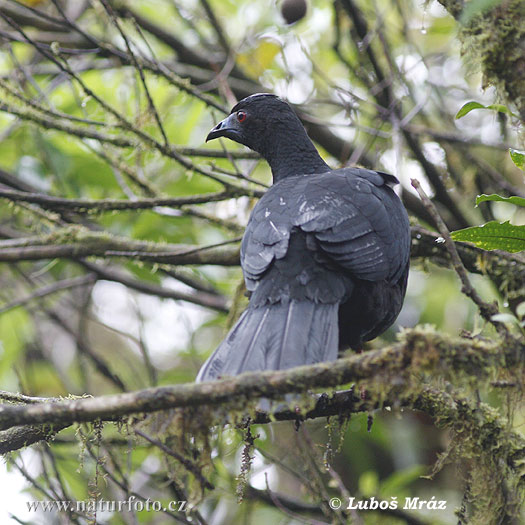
(487, 310)
(188, 465)
(44, 291)
(138, 68)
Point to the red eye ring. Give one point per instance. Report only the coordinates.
(241, 116)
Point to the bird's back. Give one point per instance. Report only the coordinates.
(351, 218)
(337, 237)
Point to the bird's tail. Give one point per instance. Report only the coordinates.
(275, 337)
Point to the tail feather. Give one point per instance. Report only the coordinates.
(252, 353)
(276, 337)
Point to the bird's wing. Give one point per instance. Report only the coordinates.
(354, 216)
(268, 231)
(358, 221)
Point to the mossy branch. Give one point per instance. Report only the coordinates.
(104, 205)
(419, 351)
(495, 37)
(76, 243)
(506, 270)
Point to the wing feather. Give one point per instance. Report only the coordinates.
(355, 219)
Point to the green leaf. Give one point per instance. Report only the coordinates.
(494, 236)
(500, 108)
(518, 157)
(469, 106)
(518, 201)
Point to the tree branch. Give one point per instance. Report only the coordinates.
(202, 298)
(58, 203)
(419, 351)
(92, 244)
(20, 437)
(503, 268)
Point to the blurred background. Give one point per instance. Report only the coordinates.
(105, 106)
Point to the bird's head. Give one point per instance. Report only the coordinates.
(268, 125)
(255, 121)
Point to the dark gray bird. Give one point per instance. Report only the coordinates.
(325, 254)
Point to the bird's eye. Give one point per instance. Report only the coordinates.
(241, 116)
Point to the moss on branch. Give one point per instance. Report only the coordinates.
(420, 350)
(496, 38)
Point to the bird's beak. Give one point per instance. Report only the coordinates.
(229, 127)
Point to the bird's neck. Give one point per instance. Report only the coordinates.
(293, 157)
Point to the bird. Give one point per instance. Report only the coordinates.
(325, 253)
